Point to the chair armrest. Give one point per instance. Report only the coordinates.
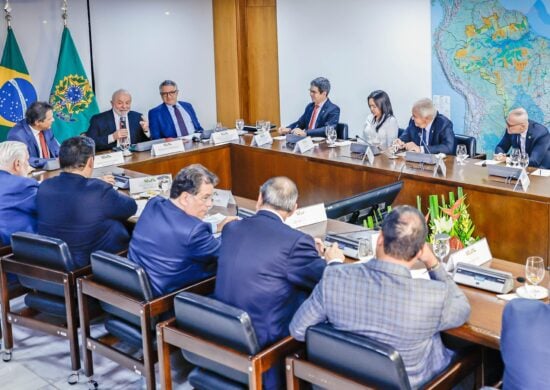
(462, 366)
(278, 351)
(5, 250)
(166, 302)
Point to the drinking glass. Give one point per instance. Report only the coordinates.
(515, 153)
(267, 126)
(239, 124)
(330, 132)
(219, 127)
(124, 144)
(461, 154)
(534, 270)
(524, 160)
(260, 125)
(441, 246)
(364, 249)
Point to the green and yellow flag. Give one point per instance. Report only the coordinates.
(16, 89)
(72, 97)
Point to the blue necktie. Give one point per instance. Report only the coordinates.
(425, 137)
(181, 122)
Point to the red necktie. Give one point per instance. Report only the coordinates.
(43, 145)
(313, 118)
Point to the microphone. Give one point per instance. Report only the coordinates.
(362, 139)
(123, 122)
(422, 143)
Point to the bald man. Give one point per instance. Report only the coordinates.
(529, 136)
(107, 128)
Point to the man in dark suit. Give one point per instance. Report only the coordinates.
(428, 131)
(34, 131)
(267, 268)
(17, 192)
(319, 114)
(524, 344)
(381, 300)
(109, 127)
(172, 118)
(170, 241)
(86, 213)
(528, 136)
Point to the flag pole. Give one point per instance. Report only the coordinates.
(65, 14)
(7, 10)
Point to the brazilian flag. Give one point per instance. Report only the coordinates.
(71, 96)
(16, 89)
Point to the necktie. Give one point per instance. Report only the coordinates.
(44, 145)
(313, 118)
(181, 122)
(425, 136)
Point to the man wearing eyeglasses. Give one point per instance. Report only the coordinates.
(171, 241)
(528, 136)
(172, 118)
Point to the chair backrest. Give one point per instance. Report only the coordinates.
(342, 130)
(122, 275)
(470, 142)
(220, 323)
(43, 251)
(356, 357)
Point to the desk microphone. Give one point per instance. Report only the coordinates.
(123, 122)
(362, 139)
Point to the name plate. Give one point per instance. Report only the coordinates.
(150, 183)
(222, 198)
(307, 216)
(369, 156)
(169, 147)
(221, 137)
(440, 166)
(475, 254)
(264, 138)
(523, 180)
(107, 159)
(304, 145)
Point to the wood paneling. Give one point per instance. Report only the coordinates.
(246, 60)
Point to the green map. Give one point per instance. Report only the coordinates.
(491, 56)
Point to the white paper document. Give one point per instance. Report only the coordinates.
(541, 172)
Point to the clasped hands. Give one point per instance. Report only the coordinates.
(296, 131)
(408, 146)
(332, 252)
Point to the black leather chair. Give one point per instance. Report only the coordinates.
(14, 287)
(470, 142)
(342, 360)
(220, 340)
(342, 130)
(124, 293)
(44, 266)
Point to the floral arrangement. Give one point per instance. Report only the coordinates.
(451, 218)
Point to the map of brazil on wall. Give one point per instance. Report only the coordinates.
(491, 56)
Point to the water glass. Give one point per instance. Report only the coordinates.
(239, 124)
(515, 153)
(267, 126)
(330, 132)
(260, 125)
(364, 249)
(524, 160)
(461, 154)
(441, 246)
(534, 270)
(124, 144)
(219, 127)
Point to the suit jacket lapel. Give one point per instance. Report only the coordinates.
(32, 141)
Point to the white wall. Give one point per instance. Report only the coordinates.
(136, 44)
(359, 46)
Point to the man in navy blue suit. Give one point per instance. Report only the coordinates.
(17, 192)
(267, 268)
(528, 136)
(172, 118)
(109, 127)
(88, 214)
(524, 344)
(319, 114)
(428, 131)
(34, 131)
(170, 241)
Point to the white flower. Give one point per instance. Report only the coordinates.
(443, 225)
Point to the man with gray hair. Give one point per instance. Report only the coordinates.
(428, 131)
(381, 300)
(528, 136)
(319, 114)
(172, 118)
(108, 128)
(170, 241)
(267, 268)
(17, 192)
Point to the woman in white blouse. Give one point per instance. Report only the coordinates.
(381, 126)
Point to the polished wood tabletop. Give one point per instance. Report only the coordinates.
(515, 223)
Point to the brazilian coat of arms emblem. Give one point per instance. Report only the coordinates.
(73, 94)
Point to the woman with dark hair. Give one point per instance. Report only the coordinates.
(381, 126)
